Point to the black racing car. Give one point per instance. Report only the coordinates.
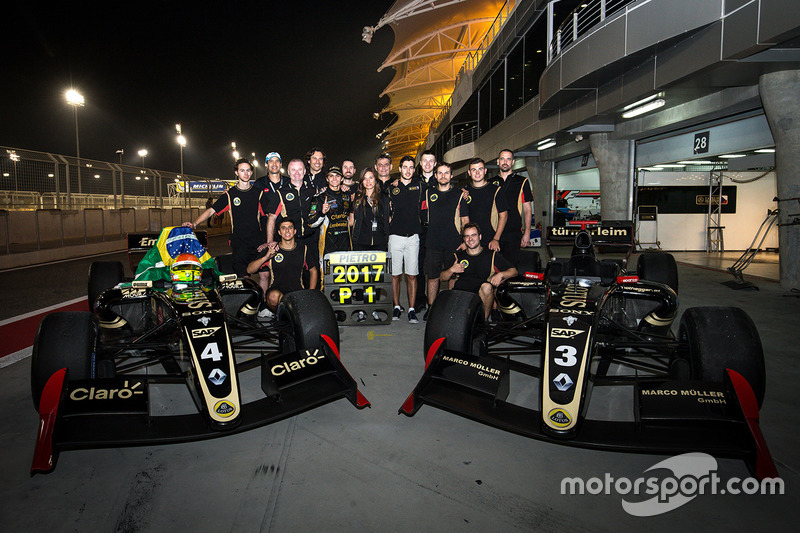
(108, 377)
(584, 327)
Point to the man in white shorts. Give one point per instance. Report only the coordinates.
(405, 198)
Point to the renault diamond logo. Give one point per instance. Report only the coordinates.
(217, 376)
(562, 382)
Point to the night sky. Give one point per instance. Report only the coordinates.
(282, 76)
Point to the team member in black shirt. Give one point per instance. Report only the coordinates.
(405, 198)
(479, 270)
(446, 211)
(300, 203)
(335, 230)
(487, 205)
(286, 261)
(316, 177)
(247, 205)
(370, 216)
(519, 197)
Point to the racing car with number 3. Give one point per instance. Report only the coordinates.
(178, 355)
(586, 329)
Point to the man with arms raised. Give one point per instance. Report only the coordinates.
(479, 270)
(447, 212)
(519, 197)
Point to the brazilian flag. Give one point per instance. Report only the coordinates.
(172, 242)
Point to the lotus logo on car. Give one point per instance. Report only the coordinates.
(224, 408)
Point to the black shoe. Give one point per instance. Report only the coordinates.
(412, 317)
(425, 316)
(396, 313)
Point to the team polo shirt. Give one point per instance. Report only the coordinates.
(443, 211)
(286, 268)
(405, 201)
(246, 209)
(478, 269)
(517, 191)
(485, 205)
(301, 205)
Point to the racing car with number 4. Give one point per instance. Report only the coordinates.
(586, 329)
(178, 354)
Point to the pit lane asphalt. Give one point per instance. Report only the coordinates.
(336, 468)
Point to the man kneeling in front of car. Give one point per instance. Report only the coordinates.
(285, 262)
(478, 269)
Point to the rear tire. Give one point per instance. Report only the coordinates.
(63, 340)
(716, 338)
(454, 316)
(103, 275)
(310, 315)
(659, 267)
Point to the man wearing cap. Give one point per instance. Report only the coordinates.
(334, 235)
(274, 180)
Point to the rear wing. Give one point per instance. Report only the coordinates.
(140, 243)
(608, 235)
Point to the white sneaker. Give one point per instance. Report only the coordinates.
(266, 313)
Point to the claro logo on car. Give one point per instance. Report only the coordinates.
(310, 359)
(127, 391)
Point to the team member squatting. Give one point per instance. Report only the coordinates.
(286, 261)
(479, 269)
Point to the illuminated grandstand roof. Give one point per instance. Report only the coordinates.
(432, 40)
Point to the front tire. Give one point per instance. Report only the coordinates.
(310, 315)
(63, 340)
(455, 316)
(716, 338)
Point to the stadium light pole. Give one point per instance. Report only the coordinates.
(76, 100)
(143, 153)
(182, 142)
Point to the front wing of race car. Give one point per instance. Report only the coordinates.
(670, 416)
(116, 412)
